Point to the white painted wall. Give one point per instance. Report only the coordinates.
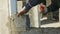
(4, 17)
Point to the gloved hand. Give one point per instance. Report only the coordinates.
(22, 12)
(43, 8)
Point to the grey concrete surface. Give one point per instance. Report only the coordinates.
(42, 31)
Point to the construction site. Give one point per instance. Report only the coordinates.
(32, 23)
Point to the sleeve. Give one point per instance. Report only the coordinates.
(32, 3)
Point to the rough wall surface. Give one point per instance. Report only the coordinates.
(17, 24)
(4, 17)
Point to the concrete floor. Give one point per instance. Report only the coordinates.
(42, 31)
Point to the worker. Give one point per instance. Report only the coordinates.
(31, 3)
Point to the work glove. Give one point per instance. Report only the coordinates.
(43, 9)
(22, 12)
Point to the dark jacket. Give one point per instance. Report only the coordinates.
(53, 7)
(32, 3)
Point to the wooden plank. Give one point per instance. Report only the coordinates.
(34, 18)
(59, 15)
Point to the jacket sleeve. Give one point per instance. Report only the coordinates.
(32, 3)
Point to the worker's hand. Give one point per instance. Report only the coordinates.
(22, 12)
(43, 8)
